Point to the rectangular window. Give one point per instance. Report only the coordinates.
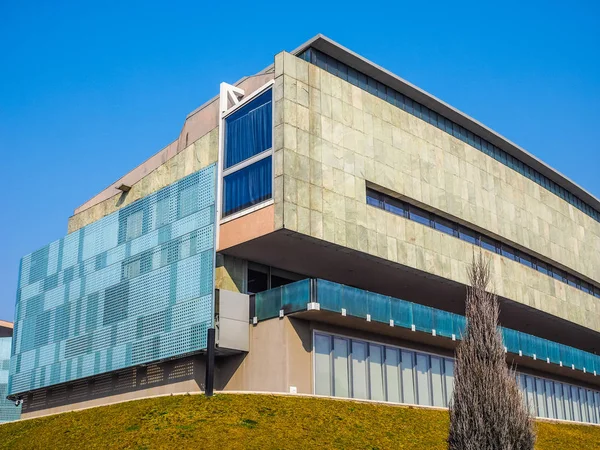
(489, 244)
(341, 386)
(550, 398)
(359, 370)
(530, 386)
(392, 375)
(374, 199)
(560, 402)
(376, 372)
(408, 382)
(437, 385)
(418, 215)
(525, 259)
(445, 226)
(395, 206)
(467, 235)
(540, 397)
(508, 252)
(249, 130)
(449, 378)
(247, 187)
(424, 397)
(322, 365)
(576, 404)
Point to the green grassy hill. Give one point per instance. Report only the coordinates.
(257, 422)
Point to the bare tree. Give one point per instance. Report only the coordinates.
(487, 409)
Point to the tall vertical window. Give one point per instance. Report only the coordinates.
(248, 147)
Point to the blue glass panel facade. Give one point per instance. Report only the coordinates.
(133, 287)
(8, 410)
(249, 130)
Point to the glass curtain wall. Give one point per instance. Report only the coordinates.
(352, 368)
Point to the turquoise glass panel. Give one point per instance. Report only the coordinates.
(8, 410)
(359, 303)
(133, 287)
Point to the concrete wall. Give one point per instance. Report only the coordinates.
(331, 138)
(280, 357)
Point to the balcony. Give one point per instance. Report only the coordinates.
(322, 295)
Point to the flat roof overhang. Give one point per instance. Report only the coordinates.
(316, 258)
(354, 60)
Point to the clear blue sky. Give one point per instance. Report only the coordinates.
(87, 92)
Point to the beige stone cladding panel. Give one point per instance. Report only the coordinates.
(196, 156)
(331, 137)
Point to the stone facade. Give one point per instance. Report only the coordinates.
(194, 157)
(332, 138)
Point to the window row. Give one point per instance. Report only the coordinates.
(352, 368)
(416, 214)
(247, 165)
(555, 400)
(356, 369)
(399, 100)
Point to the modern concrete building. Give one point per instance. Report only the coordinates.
(321, 215)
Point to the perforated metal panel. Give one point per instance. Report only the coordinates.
(134, 287)
(8, 410)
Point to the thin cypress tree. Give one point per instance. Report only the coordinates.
(487, 409)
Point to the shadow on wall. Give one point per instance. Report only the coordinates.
(181, 375)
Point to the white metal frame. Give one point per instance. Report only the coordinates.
(233, 94)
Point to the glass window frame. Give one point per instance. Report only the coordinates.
(268, 153)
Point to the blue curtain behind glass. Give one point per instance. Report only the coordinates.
(247, 187)
(248, 131)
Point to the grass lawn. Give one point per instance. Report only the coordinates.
(257, 422)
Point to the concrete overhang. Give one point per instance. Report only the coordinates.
(354, 60)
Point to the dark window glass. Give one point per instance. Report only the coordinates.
(343, 72)
(257, 281)
(559, 275)
(381, 90)
(597, 292)
(525, 259)
(418, 215)
(321, 61)
(572, 281)
(332, 66)
(409, 105)
(468, 235)
(488, 244)
(542, 267)
(585, 287)
(248, 131)
(352, 76)
(390, 96)
(248, 186)
(448, 126)
(277, 281)
(374, 199)
(508, 252)
(371, 86)
(417, 109)
(444, 226)
(395, 206)
(362, 81)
